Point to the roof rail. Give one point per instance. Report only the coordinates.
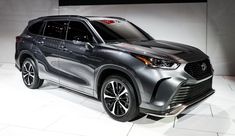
(107, 17)
(70, 16)
(62, 16)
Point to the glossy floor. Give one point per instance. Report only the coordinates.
(55, 111)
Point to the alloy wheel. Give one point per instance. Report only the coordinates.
(28, 73)
(116, 98)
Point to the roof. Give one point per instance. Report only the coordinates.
(77, 16)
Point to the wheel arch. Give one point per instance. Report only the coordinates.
(26, 54)
(106, 71)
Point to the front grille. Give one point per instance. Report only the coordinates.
(199, 69)
(188, 93)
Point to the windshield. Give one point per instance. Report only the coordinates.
(113, 30)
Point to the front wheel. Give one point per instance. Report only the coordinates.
(119, 99)
(30, 74)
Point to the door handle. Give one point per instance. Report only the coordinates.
(40, 42)
(63, 48)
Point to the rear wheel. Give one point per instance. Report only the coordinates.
(30, 74)
(118, 98)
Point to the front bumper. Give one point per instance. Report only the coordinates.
(178, 109)
(174, 92)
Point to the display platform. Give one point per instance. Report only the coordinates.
(55, 111)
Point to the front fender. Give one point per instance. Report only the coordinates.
(129, 73)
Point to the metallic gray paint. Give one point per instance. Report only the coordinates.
(78, 68)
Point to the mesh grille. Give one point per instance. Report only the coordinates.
(189, 93)
(199, 69)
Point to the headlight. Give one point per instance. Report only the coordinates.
(158, 62)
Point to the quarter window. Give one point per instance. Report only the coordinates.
(56, 29)
(77, 31)
(36, 28)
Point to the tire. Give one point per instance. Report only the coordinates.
(120, 104)
(30, 74)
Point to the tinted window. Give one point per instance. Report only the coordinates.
(36, 28)
(79, 32)
(118, 30)
(56, 29)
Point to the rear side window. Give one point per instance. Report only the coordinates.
(56, 29)
(36, 28)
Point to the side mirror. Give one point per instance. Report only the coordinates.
(89, 46)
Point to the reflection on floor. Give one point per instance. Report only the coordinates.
(56, 111)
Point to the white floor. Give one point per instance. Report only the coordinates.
(54, 111)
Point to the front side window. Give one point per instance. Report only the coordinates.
(56, 29)
(36, 28)
(77, 31)
(113, 30)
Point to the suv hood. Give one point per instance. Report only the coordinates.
(163, 49)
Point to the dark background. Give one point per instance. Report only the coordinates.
(107, 2)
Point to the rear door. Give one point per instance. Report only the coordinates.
(53, 34)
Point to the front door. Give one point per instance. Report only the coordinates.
(77, 58)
